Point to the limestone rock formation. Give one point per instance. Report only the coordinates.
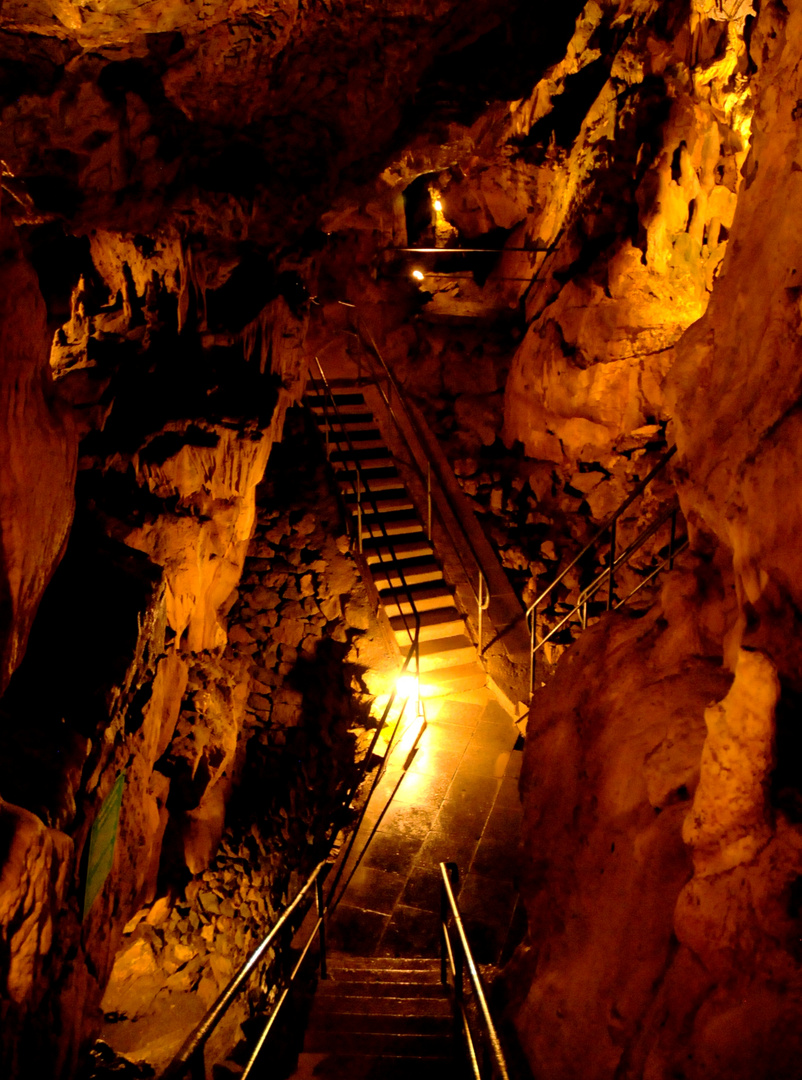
(190, 195)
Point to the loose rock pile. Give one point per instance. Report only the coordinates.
(297, 627)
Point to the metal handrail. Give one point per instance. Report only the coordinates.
(457, 959)
(614, 562)
(357, 488)
(609, 522)
(364, 335)
(190, 1056)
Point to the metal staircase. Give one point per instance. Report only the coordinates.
(394, 542)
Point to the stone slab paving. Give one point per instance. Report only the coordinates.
(458, 802)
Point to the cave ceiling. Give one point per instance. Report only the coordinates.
(243, 122)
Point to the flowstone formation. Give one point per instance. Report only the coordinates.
(189, 195)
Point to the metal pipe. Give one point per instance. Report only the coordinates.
(429, 497)
(359, 509)
(321, 916)
(197, 1038)
(473, 974)
(611, 582)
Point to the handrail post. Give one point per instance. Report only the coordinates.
(429, 497)
(480, 603)
(532, 628)
(443, 934)
(673, 538)
(321, 914)
(359, 509)
(197, 1064)
(611, 582)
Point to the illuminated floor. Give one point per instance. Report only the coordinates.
(458, 802)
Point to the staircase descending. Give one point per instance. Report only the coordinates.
(393, 535)
(380, 1017)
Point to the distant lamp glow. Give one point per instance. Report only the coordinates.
(438, 205)
(418, 275)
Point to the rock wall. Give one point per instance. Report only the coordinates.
(708, 917)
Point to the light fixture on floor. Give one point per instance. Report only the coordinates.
(418, 275)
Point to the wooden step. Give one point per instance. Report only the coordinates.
(436, 623)
(342, 424)
(388, 526)
(416, 572)
(446, 652)
(365, 464)
(392, 503)
(404, 547)
(384, 480)
(427, 596)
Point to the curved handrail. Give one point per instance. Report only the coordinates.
(449, 907)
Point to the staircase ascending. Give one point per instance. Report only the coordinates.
(376, 1017)
(394, 537)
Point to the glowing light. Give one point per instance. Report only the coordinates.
(418, 275)
(438, 205)
(407, 686)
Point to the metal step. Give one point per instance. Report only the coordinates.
(435, 623)
(446, 652)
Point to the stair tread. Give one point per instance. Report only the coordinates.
(381, 1023)
(376, 529)
(387, 1006)
(384, 480)
(406, 549)
(367, 1043)
(386, 576)
(376, 462)
(425, 594)
(366, 988)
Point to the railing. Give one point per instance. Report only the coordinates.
(482, 1043)
(473, 573)
(190, 1059)
(615, 561)
(359, 487)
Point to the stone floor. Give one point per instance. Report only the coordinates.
(458, 802)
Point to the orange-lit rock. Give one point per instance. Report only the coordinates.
(37, 455)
